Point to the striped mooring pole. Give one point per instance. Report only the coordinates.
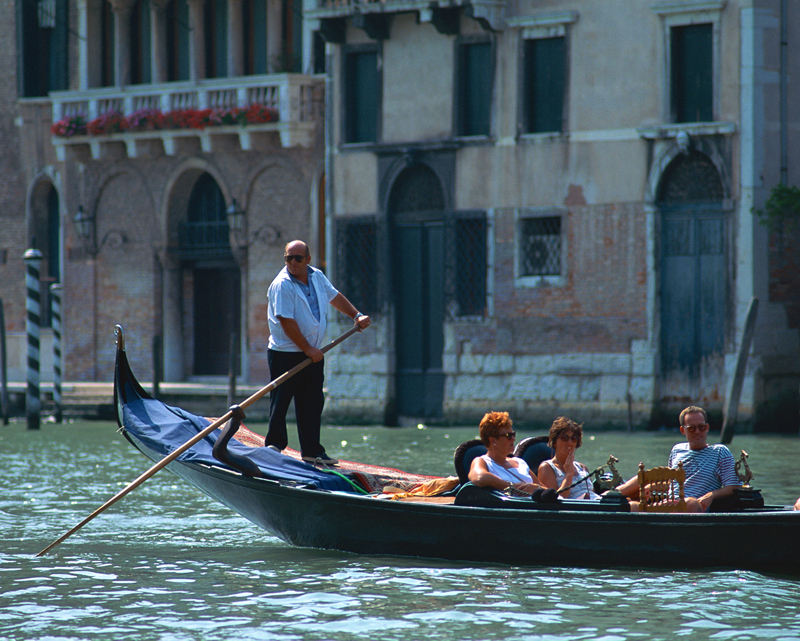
(33, 404)
(55, 302)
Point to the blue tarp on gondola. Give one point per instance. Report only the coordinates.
(164, 429)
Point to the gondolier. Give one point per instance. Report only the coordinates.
(298, 305)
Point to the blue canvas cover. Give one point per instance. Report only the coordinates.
(164, 429)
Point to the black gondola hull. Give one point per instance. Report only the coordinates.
(488, 528)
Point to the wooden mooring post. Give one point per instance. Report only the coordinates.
(732, 401)
(3, 367)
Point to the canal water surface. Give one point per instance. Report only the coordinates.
(168, 563)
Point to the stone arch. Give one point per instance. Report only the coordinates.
(668, 153)
(413, 162)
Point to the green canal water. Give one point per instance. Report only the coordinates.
(168, 563)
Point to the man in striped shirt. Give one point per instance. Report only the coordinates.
(710, 469)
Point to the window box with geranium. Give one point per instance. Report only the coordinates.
(153, 119)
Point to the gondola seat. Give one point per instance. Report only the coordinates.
(463, 457)
(534, 450)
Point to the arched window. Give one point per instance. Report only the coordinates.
(204, 233)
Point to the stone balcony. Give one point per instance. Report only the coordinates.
(372, 15)
(298, 100)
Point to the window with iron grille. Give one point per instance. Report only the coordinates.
(204, 233)
(540, 246)
(356, 260)
(470, 253)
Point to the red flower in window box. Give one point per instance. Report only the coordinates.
(111, 122)
(69, 126)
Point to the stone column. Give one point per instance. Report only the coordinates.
(172, 321)
(197, 40)
(122, 41)
(235, 39)
(158, 41)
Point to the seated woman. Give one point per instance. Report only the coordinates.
(498, 469)
(561, 471)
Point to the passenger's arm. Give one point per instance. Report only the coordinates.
(708, 498)
(480, 475)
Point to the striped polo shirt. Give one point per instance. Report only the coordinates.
(706, 470)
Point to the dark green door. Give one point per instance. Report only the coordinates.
(416, 207)
(419, 286)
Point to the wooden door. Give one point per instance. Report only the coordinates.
(418, 266)
(693, 303)
(419, 319)
(216, 316)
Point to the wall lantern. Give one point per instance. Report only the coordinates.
(235, 216)
(267, 234)
(86, 230)
(84, 224)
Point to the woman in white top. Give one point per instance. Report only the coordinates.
(497, 468)
(561, 471)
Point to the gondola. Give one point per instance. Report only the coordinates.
(341, 509)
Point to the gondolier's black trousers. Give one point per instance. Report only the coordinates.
(305, 388)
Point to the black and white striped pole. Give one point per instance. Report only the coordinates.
(55, 302)
(33, 404)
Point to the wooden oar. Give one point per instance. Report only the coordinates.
(200, 435)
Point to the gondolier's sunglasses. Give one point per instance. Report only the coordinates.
(511, 435)
(696, 428)
(298, 258)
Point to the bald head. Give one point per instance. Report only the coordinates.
(296, 247)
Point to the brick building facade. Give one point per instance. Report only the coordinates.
(171, 122)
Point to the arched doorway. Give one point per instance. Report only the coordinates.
(694, 284)
(45, 235)
(416, 210)
(211, 278)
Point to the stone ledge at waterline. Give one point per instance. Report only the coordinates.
(96, 400)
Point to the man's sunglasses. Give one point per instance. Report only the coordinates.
(298, 258)
(696, 428)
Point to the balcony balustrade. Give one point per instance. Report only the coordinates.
(491, 13)
(296, 100)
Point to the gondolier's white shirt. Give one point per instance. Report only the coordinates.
(287, 300)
